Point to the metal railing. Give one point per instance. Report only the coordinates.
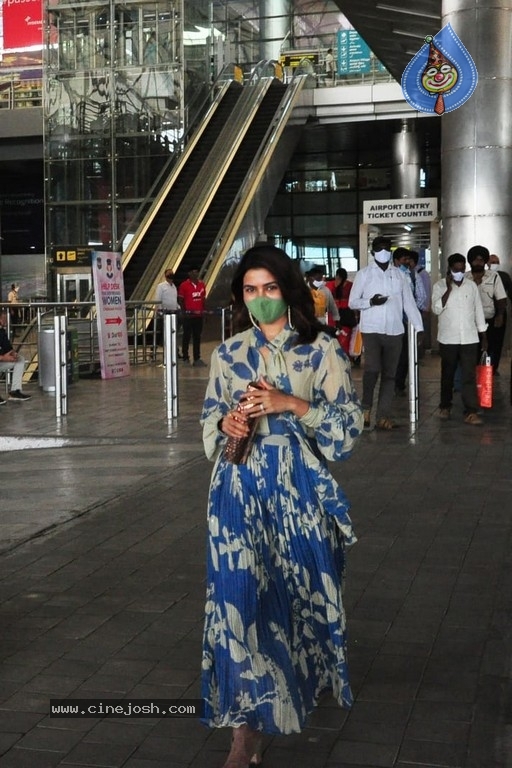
(32, 317)
(144, 320)
(52, 357)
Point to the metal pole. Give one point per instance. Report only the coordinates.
(170, 364)
(154, 338)
(61, 378)
(135, 335)
(413, 374)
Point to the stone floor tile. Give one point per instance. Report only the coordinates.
(112, 596)
(102, 755)
(363, 753)
(442, 754)
(29, 758)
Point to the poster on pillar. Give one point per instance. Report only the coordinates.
(110, 314)
(442, 76)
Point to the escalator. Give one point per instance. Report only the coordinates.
(208, 230)
(153, 228)
(188, 228)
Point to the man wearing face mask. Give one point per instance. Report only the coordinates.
(167, 297)
(461, 335)
(322, 297)
(382, 294)
(494, 300)
(494, 266)
(402, 260)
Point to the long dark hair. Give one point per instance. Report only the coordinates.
(342, 273)
(291, 284)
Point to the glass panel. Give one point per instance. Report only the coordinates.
(84, 286)
(113, 113)
(70, 289)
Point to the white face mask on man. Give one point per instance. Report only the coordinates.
(494, 267)
(318, 283)
(382, 256)
(457, 276)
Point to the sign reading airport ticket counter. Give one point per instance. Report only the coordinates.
(402, 210)
(110, 314)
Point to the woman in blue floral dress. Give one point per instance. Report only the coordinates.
(274, 636)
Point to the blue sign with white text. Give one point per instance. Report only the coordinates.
(354, 55)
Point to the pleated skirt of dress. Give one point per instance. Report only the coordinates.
(274, 636)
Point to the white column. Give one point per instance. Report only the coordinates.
(476, 153)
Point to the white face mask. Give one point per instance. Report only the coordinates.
(458, 276)
(318, 283)
(382, 256)
(494, 267)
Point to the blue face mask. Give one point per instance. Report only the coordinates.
(404, 267)
(266, 310)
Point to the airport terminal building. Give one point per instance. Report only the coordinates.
(182, 132)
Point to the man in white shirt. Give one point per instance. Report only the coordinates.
(167, 294)
(460, 332)
(494, 299)
(382, 294)
(402, 260)
(330, 68)
(423, 301)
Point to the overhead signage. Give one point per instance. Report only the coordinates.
(110, 314)
(23, 23)
(71, 256)
(354, 54)
(402, 210)
(294, 59)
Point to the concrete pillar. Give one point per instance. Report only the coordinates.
(275, 21)
(405, 171)
(476, 150)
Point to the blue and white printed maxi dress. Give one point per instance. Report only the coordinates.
(274, 635)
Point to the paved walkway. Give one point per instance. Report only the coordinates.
(102, 532)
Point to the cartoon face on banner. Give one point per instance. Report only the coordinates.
(442, 75)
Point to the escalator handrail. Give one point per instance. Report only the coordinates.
(173, 174)
(233, 218)
(188, 217)
(200, 115)
(258, 72)
(200, 118)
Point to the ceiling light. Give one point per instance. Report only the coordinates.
(382, 7)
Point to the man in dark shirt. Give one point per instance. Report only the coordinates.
(494, 265)
(10, 360)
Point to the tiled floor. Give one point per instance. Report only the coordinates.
(102, 528)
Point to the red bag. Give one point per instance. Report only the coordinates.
(484, 382)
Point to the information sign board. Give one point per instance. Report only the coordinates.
(400, 211)
(354, 55)
(110, 314)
